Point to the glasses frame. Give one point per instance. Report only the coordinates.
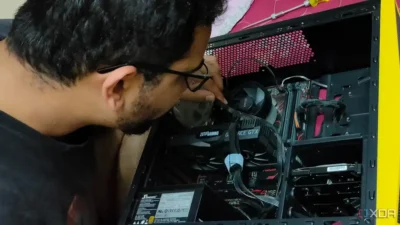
(160, 69)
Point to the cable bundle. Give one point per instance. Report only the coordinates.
(234, 161)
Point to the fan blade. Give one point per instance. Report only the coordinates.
(251, 92)
(211, 167)
(238, 99)
(216, 163)
(260, 154)
(256, 94)
(196, 166)
(259, 105)
(241, 94)
(260, 96)
(261, 159)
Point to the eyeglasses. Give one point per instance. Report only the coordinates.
(195, 79)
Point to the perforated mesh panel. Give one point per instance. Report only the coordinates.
(278, 51)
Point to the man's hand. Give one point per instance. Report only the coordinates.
(212, 89)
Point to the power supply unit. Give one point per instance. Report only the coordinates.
(180, 204)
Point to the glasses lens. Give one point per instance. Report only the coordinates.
(195, 83)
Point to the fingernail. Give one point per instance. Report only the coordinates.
(225, 101)
(210, 98)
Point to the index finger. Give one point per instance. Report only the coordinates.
(215, 71)
(217, 77)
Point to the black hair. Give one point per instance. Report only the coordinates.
(66, 39)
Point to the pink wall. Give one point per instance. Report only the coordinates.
(264, 8)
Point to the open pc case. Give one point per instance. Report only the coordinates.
(313, 156)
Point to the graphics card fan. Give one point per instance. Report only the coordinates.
(256, 159)
(207, 164)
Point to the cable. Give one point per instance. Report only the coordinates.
(304, 78)
(242, 212)
(278, 14)
(263, 199)
(235, 149)
(234, 161)
(237, 62)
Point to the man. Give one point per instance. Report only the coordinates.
(68, 65)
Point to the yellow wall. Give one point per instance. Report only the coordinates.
(9, 7)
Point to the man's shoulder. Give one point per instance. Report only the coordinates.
(16, 199)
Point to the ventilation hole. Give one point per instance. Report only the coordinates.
(344, 87)
(279, 51)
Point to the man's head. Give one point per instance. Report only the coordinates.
(68, 42)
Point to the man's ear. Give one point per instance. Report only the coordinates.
(114, 86)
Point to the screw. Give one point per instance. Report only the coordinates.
(348, 119)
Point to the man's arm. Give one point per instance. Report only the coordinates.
(129, 157)
(106, 148)
(117, 156)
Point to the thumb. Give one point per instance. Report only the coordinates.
(198, 96)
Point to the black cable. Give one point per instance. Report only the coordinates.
(233, 139)
(280, 147)
(235, 149)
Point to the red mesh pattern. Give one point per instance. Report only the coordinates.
(278, 51)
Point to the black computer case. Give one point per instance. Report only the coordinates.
(330, 172)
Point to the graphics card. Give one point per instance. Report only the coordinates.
(208, 146)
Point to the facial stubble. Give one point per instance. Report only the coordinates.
(140, 118)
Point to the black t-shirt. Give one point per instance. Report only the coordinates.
(43, 180)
